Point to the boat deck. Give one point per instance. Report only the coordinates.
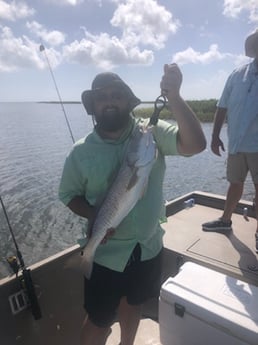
(60, 291)
(232, 253)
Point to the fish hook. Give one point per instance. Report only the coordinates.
(159, 105)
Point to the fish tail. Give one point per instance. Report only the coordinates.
(87, 263)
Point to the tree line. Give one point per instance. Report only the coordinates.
(204, 110)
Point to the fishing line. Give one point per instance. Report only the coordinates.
(42, 49)
(26, 280)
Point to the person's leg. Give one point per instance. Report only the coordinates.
(253, 167)
(256, 204)
(237, 170)
(256, 212)
(143, 281)
(101, 300)
(129, 317)
(92, 334)
(234, 194)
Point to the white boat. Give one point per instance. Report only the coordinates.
(59, 291)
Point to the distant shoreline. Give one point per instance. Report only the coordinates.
(57, 102)
(142, 102)
(204, 109)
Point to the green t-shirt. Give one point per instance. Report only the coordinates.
(88, 171)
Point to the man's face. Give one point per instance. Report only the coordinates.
(111, 108)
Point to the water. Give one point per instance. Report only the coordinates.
(34, 140)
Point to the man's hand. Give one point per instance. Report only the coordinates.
(190, 136)
(171, 81)
(109, 233)
(216, 144)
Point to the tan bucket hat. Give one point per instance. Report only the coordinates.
(251, 44)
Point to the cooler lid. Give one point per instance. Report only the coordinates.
(216, 297)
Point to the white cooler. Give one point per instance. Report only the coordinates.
(200, 306)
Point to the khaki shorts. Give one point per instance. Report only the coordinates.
(239, 164)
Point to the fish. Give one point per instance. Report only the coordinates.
(126, 190)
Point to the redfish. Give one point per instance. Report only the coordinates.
(128, 187)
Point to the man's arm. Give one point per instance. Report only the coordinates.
(81, 207)
(216, 142)
(190, 138)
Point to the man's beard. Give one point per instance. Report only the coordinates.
(112, 119)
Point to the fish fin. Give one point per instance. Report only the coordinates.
(87, 263)
(144, 189)
(133, 180)
(73, 262)
(81, 262)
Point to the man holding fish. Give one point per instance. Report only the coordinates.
(114, 178)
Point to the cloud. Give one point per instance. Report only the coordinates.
(144, 27)
(105, 51)
(191, 56)
(53, 37)
(65, 2)
(15, 10)
(233, 8)
(144, 22)
(21, 52)
(240, 60)
(16, 52)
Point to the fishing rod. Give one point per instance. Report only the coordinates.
(26, 280)
(42, 49)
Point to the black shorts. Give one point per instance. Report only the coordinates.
(139, 281)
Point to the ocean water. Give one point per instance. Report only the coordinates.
(34, 141)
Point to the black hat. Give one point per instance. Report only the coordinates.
(103, 80)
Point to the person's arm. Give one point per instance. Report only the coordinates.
(216, 142)
(80, 206)
(191, 139)
(72, 187)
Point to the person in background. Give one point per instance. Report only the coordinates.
(127, 267)
(239, 102)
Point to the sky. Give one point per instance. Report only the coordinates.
(133, 38)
